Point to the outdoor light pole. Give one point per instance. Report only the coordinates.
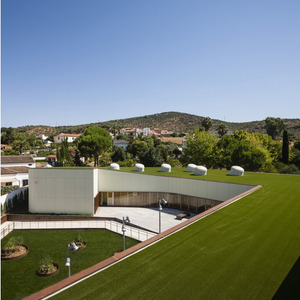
(71, 246)
(162, 201)
(124, 229)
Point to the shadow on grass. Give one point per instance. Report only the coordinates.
(290, 288)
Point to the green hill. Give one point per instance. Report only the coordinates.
(174, 121)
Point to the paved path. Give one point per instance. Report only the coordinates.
(147, 218)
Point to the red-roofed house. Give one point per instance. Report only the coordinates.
(70, 137)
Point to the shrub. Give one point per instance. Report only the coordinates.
(46, 265)
(8, 189)
(175, 163)
(9, 247)
(78, 238)
(127, 163)
(289, 169)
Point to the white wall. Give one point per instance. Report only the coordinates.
(72, 191)
(116, 181)
(16, 179)
(68, 191)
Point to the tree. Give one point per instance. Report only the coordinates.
(95, 141)
(64, 157)
(137, 147)
(20, 142)
(248, 150)
(222, 130)
(118, 154)
(285, 147)
(207, 123)
(151, 158)
(199, 149)
(7, 136)
(274, 126)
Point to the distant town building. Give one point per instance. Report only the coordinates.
(131, 131)
(121, 143)
(42, 136)
(14, 170)
(70, 137)
(146, 131)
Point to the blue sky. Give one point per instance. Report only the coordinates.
(70, 62)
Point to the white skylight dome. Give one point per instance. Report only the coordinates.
(114, 166)
(200, 171)
(191, 167)
(236, 171)
(165, 168)
(139, 168)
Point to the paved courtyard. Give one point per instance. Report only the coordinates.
(147, 218)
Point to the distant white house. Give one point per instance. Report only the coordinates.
(14, 176)
(14, 169)
(146, 131)
(43, 137)
(47, 143)
(121, 143)
(69, 137)
(131, 131)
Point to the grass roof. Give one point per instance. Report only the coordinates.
(244, 251)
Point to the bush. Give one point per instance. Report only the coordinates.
(289, 169)
(173, 162)
(78, 238)
(46, 265)
(127, 163)
(9, 247)
(8, 189)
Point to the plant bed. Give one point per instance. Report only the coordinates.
(80, 245)
(50, 271)
(17, 252)
(47, 267)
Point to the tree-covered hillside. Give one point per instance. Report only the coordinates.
(174, 121)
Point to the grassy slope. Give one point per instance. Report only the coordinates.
(18, 276)
(243, 251)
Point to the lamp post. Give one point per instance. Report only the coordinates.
(71, 246)
(162, 201)
(124, 229)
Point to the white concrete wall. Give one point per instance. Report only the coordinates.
(116, 181)
(69, 191)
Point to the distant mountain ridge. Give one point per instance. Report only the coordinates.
(174, 121)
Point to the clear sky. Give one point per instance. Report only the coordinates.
(70, 62)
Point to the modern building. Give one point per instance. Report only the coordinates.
(81, 191)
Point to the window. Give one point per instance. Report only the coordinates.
(8, 183)
(25, 182)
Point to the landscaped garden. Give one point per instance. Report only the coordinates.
(244, 251)
(23, 276)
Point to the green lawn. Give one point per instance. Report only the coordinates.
(243, 251)
(18, 278)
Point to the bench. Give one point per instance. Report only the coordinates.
(182, 215)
